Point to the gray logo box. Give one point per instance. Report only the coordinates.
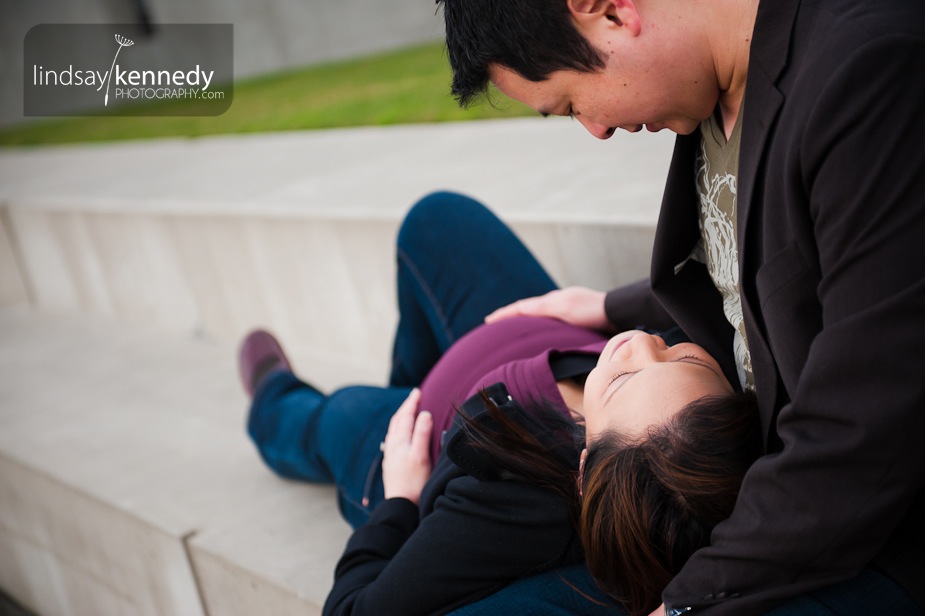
(122, 70)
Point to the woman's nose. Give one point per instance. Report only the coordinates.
(647, 345)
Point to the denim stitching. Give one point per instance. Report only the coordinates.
(404, 258)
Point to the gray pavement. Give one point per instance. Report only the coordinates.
(527, 168)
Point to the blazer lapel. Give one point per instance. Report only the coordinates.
(767, 61)
(762, 103)
(678, 228)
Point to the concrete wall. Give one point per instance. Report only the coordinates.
(269, 35)
(12, 287)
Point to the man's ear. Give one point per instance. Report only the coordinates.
(621, 13)
(586, 7)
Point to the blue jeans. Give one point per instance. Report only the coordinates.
(456, 263)
(305, 435)
(869, 593)
(567, 591)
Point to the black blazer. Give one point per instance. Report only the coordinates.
(832, 272)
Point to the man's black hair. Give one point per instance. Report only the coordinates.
(531, 37)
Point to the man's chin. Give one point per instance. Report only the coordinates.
(685, 128)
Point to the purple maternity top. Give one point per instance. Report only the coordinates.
(514, 351)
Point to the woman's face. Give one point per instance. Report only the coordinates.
(640, 382)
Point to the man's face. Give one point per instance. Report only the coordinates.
(646, 82)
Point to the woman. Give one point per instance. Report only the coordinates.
(427, 543)
(662, 467)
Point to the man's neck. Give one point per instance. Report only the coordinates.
(734, 24)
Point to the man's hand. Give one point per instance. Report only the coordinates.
(575, 305)
(406, 461)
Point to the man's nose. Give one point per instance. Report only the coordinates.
(598, 130)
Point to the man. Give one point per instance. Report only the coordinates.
(791, 244)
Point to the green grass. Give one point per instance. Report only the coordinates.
(407, 86)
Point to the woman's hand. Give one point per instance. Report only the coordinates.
(575, 305)
(406, 461)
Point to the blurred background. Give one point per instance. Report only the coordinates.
(298, 64)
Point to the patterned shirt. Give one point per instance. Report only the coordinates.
(717, 172)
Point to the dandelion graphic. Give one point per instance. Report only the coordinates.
(123, 42)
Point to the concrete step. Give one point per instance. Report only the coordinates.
(128, 484)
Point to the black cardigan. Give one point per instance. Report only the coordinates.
(477, 530)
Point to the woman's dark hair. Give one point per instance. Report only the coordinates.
(644, 506)
(539, 446)
(649, 504)
(531, 37)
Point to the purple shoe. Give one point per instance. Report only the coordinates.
(260, 354)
